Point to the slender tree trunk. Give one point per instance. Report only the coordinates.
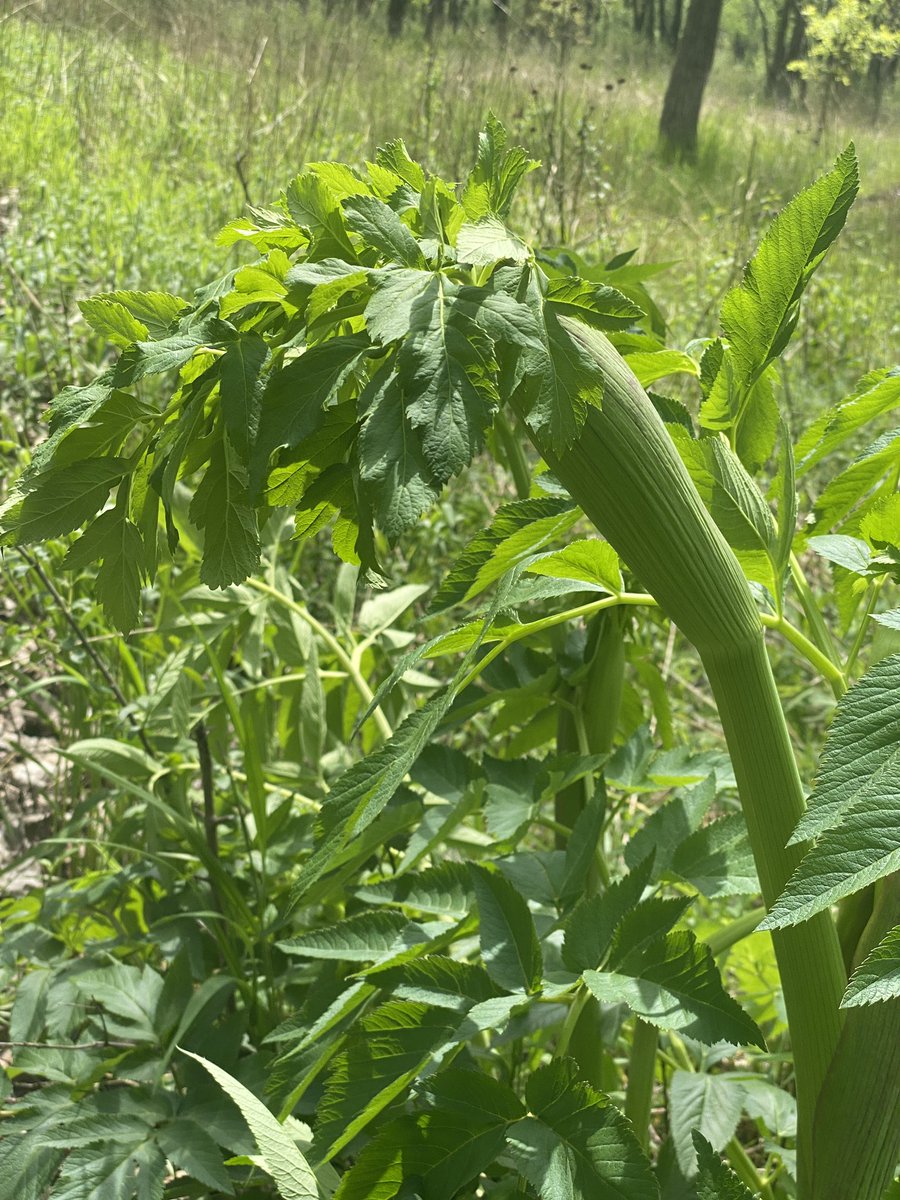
(434, 18)
(690, 71)
(787, 45)
(456, 11)
(396, 17)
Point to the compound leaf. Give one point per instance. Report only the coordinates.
(760, 314)
(877, 978)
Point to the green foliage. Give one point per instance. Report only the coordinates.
(342, 875)
(852, 807)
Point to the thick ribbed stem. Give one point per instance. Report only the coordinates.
(809, 956)
(625, 473)
(860, 1104)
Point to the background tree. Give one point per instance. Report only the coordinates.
(693, 62)
(845, 39)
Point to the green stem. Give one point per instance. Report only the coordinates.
(856, 1135)
(641, 1077)
(524, 631)
(328, 639)
(871, 601)
(626, 474)
(743, 1167)
(812, 611)
(810, 652)
(515, 455)
(729, 935)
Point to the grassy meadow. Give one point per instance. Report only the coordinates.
(129, 138)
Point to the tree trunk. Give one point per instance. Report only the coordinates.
(396, 17)
(456, 12)
(674, 29)
(434, 18)
(690, 71)
(787, 45)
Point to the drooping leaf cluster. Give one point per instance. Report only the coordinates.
(347, 375)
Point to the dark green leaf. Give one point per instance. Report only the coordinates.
(240, 390)
(295, 397)
(577, 1145)
(854, 803)
(674, 984)
(221, 508)
(509, 944)
(60, 499)
(715, 1181)
(387, 1050)
(381, 228)
(392, 462)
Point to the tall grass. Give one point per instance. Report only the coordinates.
(129, 137)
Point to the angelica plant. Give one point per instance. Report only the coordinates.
(392, 328)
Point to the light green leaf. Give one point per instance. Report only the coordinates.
(364, 937)
(674, 984)
(759, 315)
(849, 552)
(708, 1104)
(651, 365)
(875, 394)
(517, 531)
(486, 241)
(591, 561)
(850, 486)
(113, 321)
(496, 175)
(154, 310)
(394, 157)
(282, 1158)
(315, 208)
(877, 978)
(509, 944)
